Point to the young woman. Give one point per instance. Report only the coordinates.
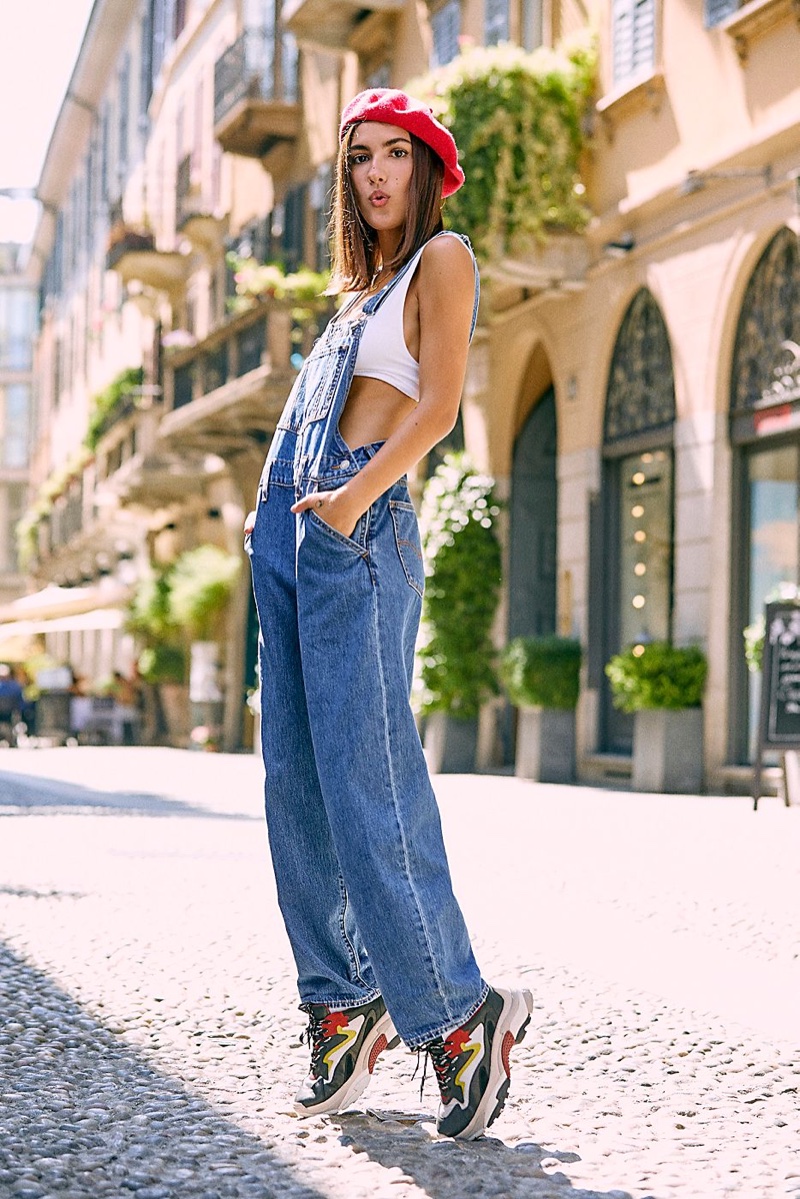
(380, 944)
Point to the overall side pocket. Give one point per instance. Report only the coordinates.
(409, 546)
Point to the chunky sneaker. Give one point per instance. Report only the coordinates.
(472, 1064)
(344, 1049)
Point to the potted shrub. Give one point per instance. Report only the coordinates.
(662, 685)
(462, 588)
(542, 678)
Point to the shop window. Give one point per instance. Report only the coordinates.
(632, 548)
(633, 38)
(446, 30)
(715, 11)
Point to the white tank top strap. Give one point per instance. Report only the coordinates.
(382, 352)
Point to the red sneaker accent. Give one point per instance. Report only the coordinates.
(505, 1052)
(376, 1051)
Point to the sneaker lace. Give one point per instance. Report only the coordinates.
(314, 1037)
(443, 1064)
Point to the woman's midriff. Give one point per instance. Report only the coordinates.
(372, 412)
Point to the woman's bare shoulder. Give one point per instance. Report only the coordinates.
(448, 253)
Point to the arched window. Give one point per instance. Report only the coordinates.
(769, 317)
(765, 430)
(641, 389)
(632, 531)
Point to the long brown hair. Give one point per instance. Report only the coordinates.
(355, 251)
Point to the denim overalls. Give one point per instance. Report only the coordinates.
(362, 877)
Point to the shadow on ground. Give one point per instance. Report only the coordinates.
(26, 792)
(486, 1167)
(82, 1114)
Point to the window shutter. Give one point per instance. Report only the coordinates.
(633, 37)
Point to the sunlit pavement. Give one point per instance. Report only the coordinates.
(149, 1035)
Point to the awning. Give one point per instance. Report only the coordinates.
(54, 601)
(57, 610)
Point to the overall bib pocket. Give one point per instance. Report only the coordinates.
(409, 546)
(322, 373)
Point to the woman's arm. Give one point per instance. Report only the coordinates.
(446, 290)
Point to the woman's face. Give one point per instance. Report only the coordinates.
(380, 164)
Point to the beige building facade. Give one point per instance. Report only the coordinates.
(621, 381)
(17, 332)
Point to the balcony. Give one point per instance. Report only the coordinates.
(558, 262)
(136, 469)
(133, 255)
(194, 215)
(256, 109)
(224, 395)
(331, 24)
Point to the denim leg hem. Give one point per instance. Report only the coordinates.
(343, 1005)
(444, 1030)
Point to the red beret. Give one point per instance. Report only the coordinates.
(392, 107)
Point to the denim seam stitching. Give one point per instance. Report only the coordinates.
(399, 543)
(393, 788)
(342, 928)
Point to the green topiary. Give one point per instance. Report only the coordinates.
(519, 121)
(463, 576)
(542, 672)
(658, 675)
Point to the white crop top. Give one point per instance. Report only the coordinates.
(382, 351)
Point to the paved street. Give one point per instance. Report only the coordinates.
(149, 1038)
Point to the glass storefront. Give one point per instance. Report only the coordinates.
(632, 571)
(765, 430)
(773, 549)
(645, 581)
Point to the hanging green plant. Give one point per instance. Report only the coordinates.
(519, 121)
(463, 567)
(106, 404)
(200, 584)
(149, 615)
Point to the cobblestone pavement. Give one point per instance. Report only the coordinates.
(149, 1035)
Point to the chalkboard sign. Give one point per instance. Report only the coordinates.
(779, 721)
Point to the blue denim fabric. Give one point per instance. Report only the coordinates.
(356, 841)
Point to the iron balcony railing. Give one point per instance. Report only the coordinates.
(260, 65)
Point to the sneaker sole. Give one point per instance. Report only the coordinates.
(511, 1028)
(383, 1036)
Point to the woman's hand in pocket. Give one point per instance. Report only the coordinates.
(333, 508)
(249, 522)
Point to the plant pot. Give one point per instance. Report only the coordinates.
(546, 745)
(668, 750)
(450, 744)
